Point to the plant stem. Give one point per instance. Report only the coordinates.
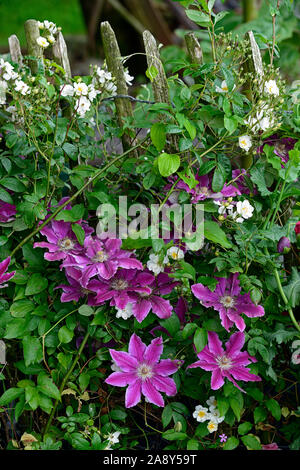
(65, 379)
(284, 298)
(249, 10)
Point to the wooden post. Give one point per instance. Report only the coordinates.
(159, 83)
(32, 32)
(15, 49)
(60, 54)
(193, 48)
(254, 65)
(115, 66)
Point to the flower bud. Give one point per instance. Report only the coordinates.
(178, 426)
(284, 245)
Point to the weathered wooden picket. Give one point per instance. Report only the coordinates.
(115, 64)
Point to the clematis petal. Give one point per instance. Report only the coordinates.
(121, 379)
(164, 384)
(161, 307)
(217, 380)
(124, 360)
(136, 347)
(214, 344)
(235, 344)
(151, 393)
(133, 394)
(154, 350)
(166, 367)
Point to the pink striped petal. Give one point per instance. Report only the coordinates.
(124, 360)
(136, 348)
(133, 394)
(164, 384)
(121, 379)
(154, 350)
(152, 394)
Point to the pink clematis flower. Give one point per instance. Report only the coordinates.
(3, 275)
(61, 243)
(118, 288)
(144, 302)
(230, 363)
(75, 291)
(7, 211)
(272, 446)
(103, 258)
(143, 372)
(228, 301)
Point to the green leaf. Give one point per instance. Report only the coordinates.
(85, 310)
(274, 407)
(257, 177)
(214, 233)
(71, 215)
(20, 308)
(171, 435)
(65, 335)
(13, 184)
(158, 135)
(192, 444)
(244, 428)
(151, 73)
(10, 395)
(260, 414)
(166, 416)
(251, 442)
(231, 443)
(79, 232)
(168, 163)
(200, 339)
(32, 350)
(36, 284)
(198, 17)
(230, 123)
(236, 407)
(219, 178)
(47, 386)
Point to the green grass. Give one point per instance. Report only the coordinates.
(14, 13)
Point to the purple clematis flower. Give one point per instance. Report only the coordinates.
(282, 146)
(7, 211)
(75, 291)
(125, 282)
(203, 190)
(240, 181)
(102, 259)
(228, 301)
(284, 245)
(230, 363)
(61, 243)
(144, 302)
(3, 275)
(143, 372)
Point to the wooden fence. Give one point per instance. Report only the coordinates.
(115, 65)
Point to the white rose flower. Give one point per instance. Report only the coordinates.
(125, 313)
(80, 89)
(245, 209)
(42, 42)
(67, 90)
(271, 88)
(128, 78)
(212, 426)
(155, 265)
(245, 142)
(82, 105)
(51, 39)
(215, 416)
(201, 414)
(211, 402)
(175, 253)
(22, 87)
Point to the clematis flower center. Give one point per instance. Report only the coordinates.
(100, 256)
(119, 284)
(227, 301)
(224, 362)
(145, 371)
(66, 244)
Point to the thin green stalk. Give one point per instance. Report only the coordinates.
(284, 298)
(65, 379)
(60, 208)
